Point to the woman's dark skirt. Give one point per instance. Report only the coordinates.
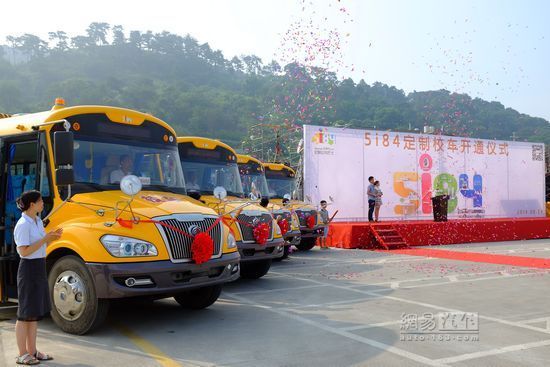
(32, 290)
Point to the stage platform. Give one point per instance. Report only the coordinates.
(388, 235)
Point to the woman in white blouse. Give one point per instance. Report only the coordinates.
(378, 200)
(32, 283)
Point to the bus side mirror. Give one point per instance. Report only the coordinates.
(63, 148)
(64, 176)
(64, 157)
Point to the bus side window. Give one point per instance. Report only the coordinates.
(44, 181)
(21, 177)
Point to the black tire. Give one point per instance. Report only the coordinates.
(306, 244)
(94, 310)
(255, 269)
(197, 299)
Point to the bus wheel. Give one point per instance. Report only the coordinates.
(75, 307)
(197, 299)
(306, 244)
(255, 269)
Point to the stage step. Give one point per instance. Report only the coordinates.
(387, 237)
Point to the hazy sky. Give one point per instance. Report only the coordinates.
(496, 50)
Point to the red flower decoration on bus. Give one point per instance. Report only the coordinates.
(261, 233)
(202, 248)
(310, 221)
(284, 226)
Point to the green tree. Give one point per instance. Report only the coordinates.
(31, 45)
(60, 38)
(97, 32)
(135, 39)
(81, 42)
(200, 92)
(118, 35)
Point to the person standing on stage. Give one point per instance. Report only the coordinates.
(325, 220)
(371, 194)
(378, 200)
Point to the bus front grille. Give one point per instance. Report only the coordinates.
(304, 214)
(247, 224)
(180, 244)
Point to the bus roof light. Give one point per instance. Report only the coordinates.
(59, 103)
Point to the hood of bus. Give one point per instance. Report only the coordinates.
(278, 208)
(293, 205)
(231, 203)
(147, 204)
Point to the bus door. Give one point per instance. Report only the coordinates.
(19, 157)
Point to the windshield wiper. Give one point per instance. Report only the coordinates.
(94, 185)
(174, 190)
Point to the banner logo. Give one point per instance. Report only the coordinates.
(322, 136)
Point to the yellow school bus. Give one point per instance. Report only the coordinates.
(133, 238)
(212, 175)
(281, 181)
(255, 186)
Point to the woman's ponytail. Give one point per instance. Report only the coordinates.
(27, 198)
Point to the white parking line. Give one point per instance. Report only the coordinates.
(370, 326)
(378, 324)
(335, 303)
(390, 259)
(503, 276)
(373, 343)
(437, 307)
(535, 321)
(492, 352)
(460, 278)
(280, 289)
(423, 279)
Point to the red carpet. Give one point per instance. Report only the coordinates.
(530, 262)
(423, 233)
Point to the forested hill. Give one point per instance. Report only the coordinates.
(199, 91)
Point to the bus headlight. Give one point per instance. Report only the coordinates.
(277, 229)
(231, 242)
(295, 221)
(120, 246)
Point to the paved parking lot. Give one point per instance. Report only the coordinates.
(334, 308)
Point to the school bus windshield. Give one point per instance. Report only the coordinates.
(205, 176)
(279, 187)
(253, 180)
(102, 164)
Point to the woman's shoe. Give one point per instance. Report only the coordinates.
(27, 360)
(42, 356)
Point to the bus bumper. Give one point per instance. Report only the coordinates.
(161, 277)
(254, 252)
(293, 237)
(316, 232)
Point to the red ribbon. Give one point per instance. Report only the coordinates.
(284, 226)
(202, 248)
(310, 222)
(261, 233)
